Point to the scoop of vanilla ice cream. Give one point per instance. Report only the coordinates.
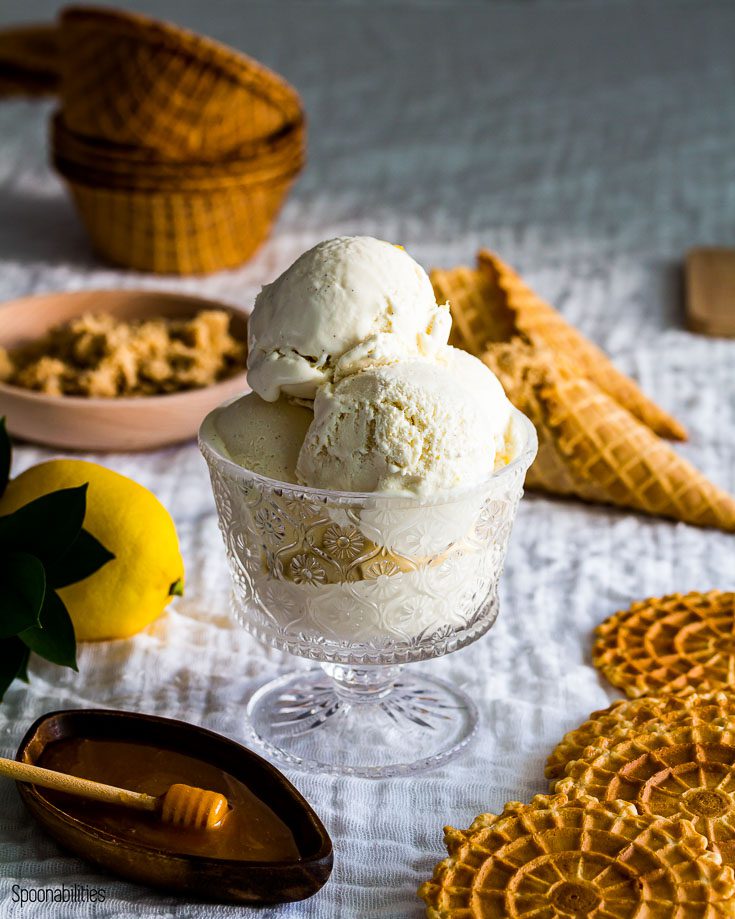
(417, 426)
(265, 437)
(347, 304)
(495, 405)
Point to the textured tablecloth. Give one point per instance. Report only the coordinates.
(590, 143)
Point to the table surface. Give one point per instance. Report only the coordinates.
(590, 143)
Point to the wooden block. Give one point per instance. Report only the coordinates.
(710, 291)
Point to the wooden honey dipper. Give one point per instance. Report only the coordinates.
(182, 805)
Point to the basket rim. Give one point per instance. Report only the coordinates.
(252, 171)
(290, 138)
(161, 189)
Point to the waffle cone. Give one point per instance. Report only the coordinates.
(131, 80)
(493, 304)
(563, 857)
(624, 718)
(670, 644)
(622, 462)
(524, 371)
(678, 771)
(593, 448)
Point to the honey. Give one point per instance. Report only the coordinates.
(251, 830)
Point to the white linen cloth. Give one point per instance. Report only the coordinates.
(589, 143)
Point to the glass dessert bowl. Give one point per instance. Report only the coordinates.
(363, 584)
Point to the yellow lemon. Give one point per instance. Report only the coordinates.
(129, 592)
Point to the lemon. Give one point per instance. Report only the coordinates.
(131, 590)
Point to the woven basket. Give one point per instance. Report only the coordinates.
(111, 166)
(28, 60)
(131, 80)
(179, 232)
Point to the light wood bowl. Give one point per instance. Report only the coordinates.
(78, 423)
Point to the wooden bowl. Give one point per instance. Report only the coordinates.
(191, 875)
(79, 423)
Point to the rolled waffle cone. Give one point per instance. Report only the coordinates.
(558, 857)
(524, 371)
(678, 771)
(593, 448)
(670, 644)
(179, 231)
(622, 462)
(623, 718)
(132, 80)
(493, 304)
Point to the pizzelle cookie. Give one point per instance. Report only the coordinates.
(680, 771)
(560, 857)
(670, 644)
(631, 716)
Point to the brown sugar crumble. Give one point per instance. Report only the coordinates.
(98, 355)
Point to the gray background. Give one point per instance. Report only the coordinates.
(589, 143)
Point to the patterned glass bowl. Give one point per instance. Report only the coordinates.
(363, 583)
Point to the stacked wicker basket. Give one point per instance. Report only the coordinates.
(178, 151)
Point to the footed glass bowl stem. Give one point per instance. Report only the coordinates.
(362, 684)
(369, 721)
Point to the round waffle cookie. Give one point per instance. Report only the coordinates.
(676, 772)
(669, 644)
(627, 717)
(558, 857)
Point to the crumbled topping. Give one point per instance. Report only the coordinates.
(99, 355)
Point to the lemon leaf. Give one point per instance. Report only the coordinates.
(5, 456)
(83, 557)
(22, 591)
(13, 662)
(47, 526)
(54, 638)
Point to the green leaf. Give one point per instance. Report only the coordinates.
(5, 456)
(13, 662)
(83, 557)
(22, 590)
(54, 639)
(177, 588)
(46, 527)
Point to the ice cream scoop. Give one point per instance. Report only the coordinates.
(347, 304)
(418, 426)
